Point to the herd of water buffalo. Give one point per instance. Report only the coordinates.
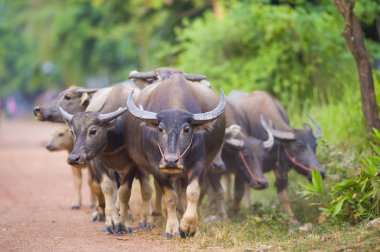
(174, 127)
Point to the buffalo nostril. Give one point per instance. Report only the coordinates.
(263, 183)
(218, 166)
(73, 158)
(49, 147)
(171, 159)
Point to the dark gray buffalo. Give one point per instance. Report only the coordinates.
(178, 129)
(101, 138)
(293, 148)
(243, 156)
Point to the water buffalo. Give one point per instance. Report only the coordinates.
(178, 129)
(143, 79)
(100, 139)
(242, 155)
(63, 140)
(293, 148)
(73, 99)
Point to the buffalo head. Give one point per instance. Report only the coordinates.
(73, 100)
(62, 140)
(176, 129)
(299, 148)
(90, 131)
(246, 153)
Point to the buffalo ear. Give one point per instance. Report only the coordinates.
(307, 127)
(85, 100)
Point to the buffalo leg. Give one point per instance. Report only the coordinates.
(228, 187)
(170, 201)
(124, 194)
(188, 224)
(92, 190)
(157, 206)
(113, 222)
(247, 196)
(146, 195)
(77, 174)
(99, 213)
(282, 192)
(239, 192)
(215, 181)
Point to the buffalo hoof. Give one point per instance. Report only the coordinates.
(184, 234)
(129, 230)
(169, 236)
(107, 229)
(75, 207)
(141, 225)
(118, 229)
(97, 217)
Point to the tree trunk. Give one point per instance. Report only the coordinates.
(354, 38)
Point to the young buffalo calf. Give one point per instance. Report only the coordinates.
(62, 140)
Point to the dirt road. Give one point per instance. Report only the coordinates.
(36, 189)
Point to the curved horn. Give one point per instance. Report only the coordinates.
(86, 90)
(65, 115)
(318, 132)
(270, 141)
(194, 77)
(201, 118)
(146, 116)
(285, 135)
(103, 118)
(141, 75)
(233, 130)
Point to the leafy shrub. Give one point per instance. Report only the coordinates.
(262, 46)
(356, 197)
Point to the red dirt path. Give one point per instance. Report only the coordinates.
(36, 189)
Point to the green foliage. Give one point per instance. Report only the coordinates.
(263, 46)
(356, 197)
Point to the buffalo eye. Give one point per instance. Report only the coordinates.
(300, 147)
(186, 129)
(67, 97)
(60, 134)
(92, 132)
(160, 129)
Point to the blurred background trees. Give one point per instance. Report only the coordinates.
(291, 48)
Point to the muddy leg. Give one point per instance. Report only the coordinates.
(77, 174)
(146, 195)
(188, 224)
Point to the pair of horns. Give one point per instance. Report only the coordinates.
(151, 117)
(153, 74)
(199, 118)
(234, 130)
(103, 118)
(289, 135)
